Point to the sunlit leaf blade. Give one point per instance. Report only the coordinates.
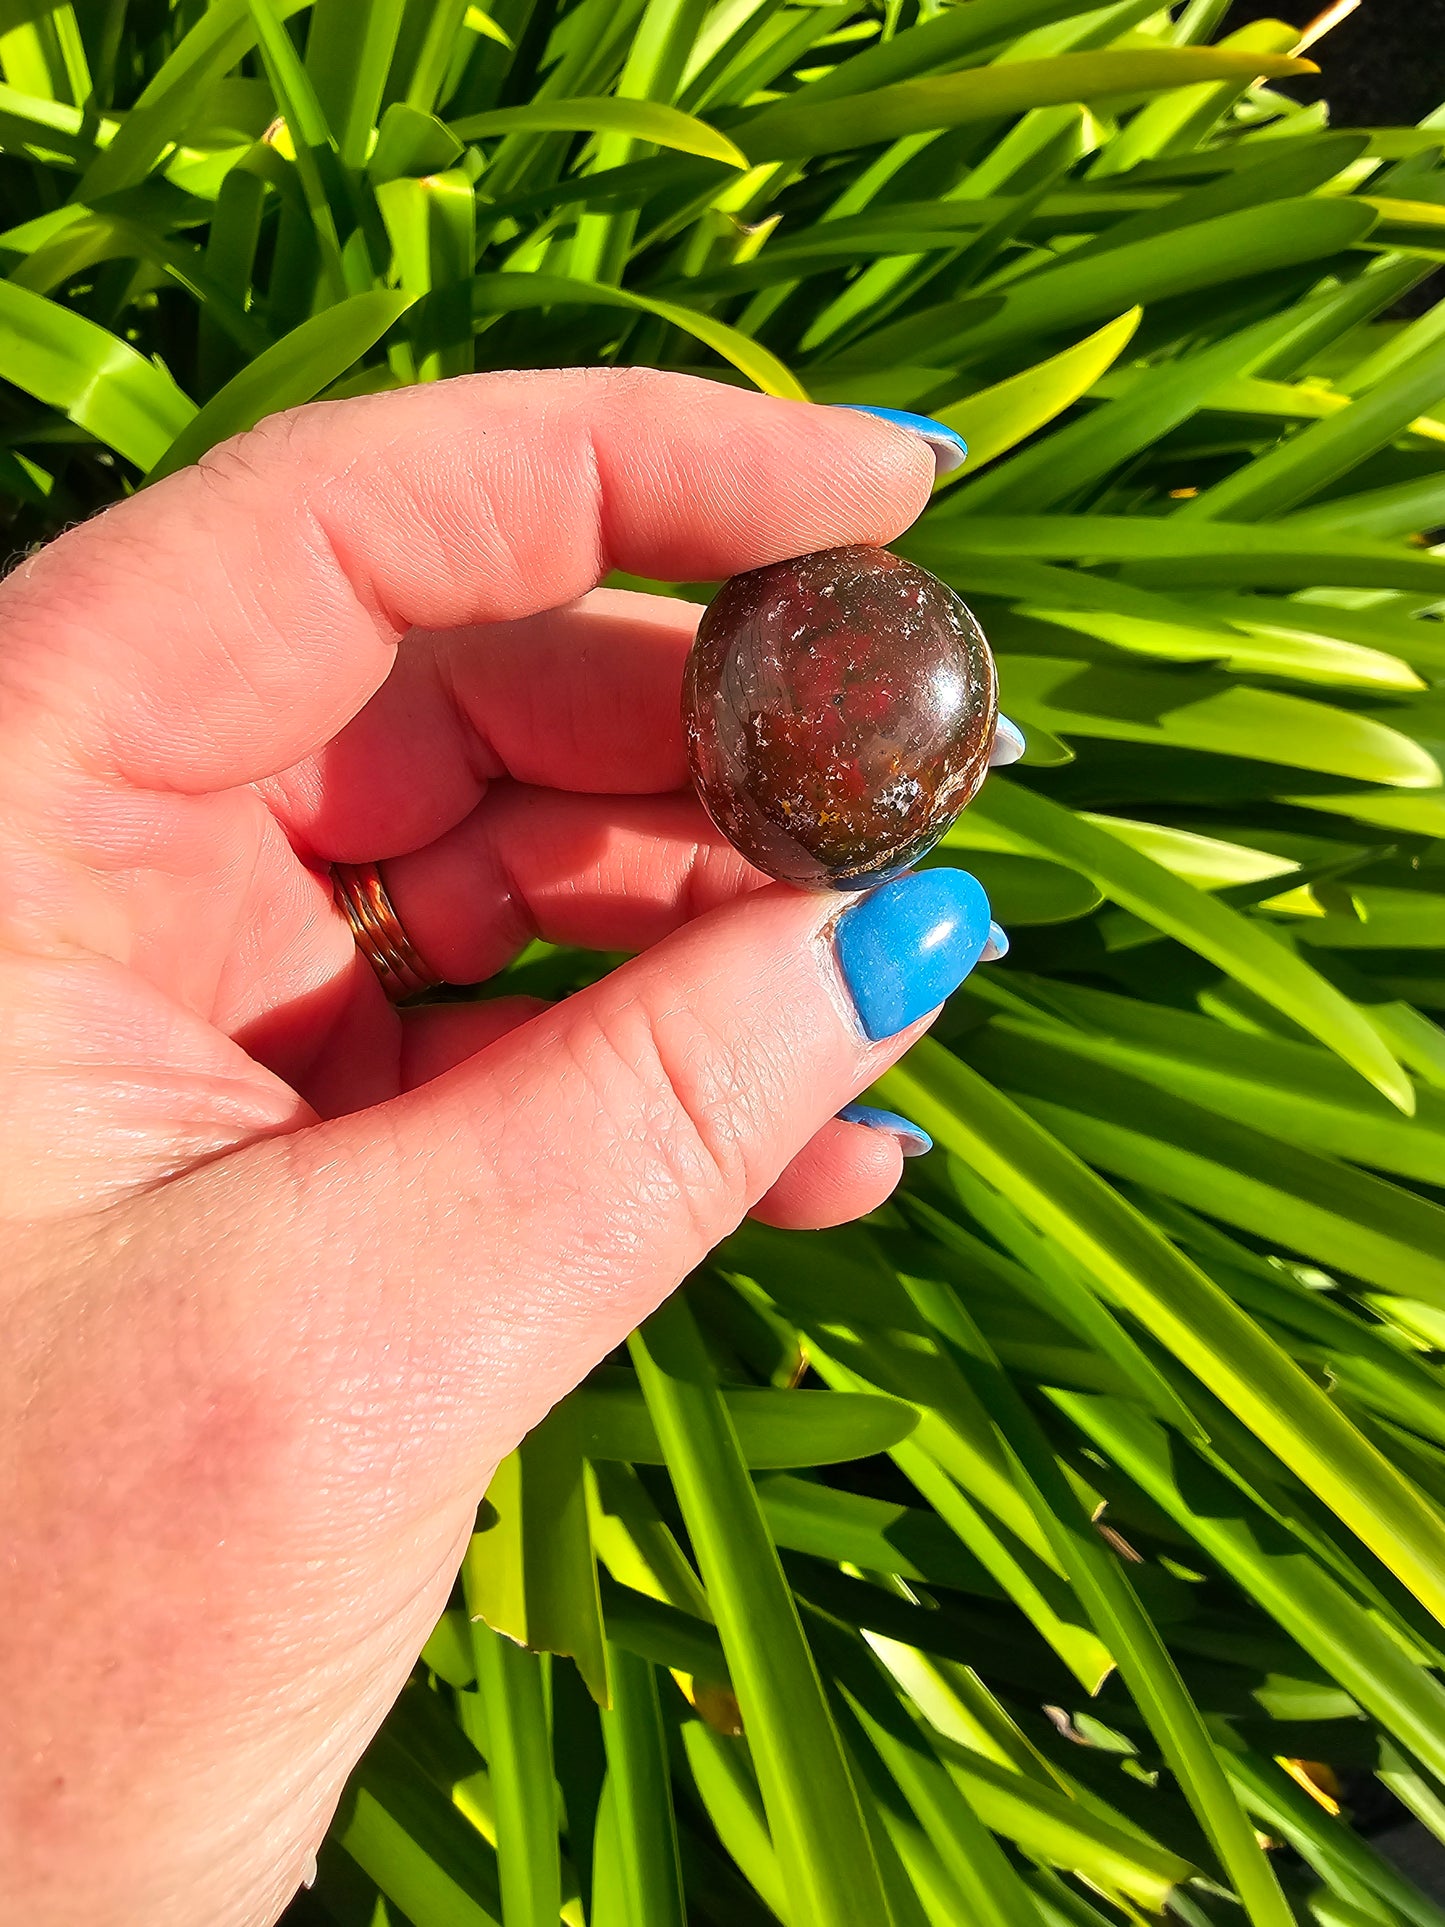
(812, 1807)
(1114, 1607)
(1328, 1622)
(1172, 553)
(510, 1687)
(644, 120)
(293, 370)
(1204, 1329)
(1236, 943)
(642, 1798)
(509, 293)
(997, 418)
(773, 1429)
(812, 127)
(90, 375)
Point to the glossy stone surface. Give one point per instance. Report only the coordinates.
(839, 711)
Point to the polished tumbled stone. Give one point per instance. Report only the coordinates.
(839, 711)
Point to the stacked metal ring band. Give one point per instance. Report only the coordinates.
(362, 899)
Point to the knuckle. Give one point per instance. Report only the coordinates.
(257, 453)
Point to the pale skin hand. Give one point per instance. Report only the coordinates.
(288, 1272)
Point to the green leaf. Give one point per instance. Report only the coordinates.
(1240, 947)
(511, 293)
(1301, 1094)
(827, 1865)
(531, 1568)
(971, 1857)
(644, 120)
(1140, 1269)
(291, 371)
(315, 144)
(641, 1790)
(879, 1534)
(349, 49)
(98, 380)
(414, 1844)
(1155, 400)
(1381, 918)
(1113, 1606)
(997, 418)
(1173, 554)
(1257, 648)
(793, 129)
(519, 1751)
(1404, 508)
(1313, 1204)
(1021, 889)
(411, 142)
(1292, 471)
(729, 1794)
(1228, 248)
(1328, 1623)
(1191, 708)
(1371, 1885)
(214, 45)
(772, 1428)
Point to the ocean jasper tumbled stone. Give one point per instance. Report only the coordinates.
(839, 711)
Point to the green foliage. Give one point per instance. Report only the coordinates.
(1118, 1475)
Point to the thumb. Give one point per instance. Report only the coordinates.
(507, 1225)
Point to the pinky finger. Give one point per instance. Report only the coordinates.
(846, 1170)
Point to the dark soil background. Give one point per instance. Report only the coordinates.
(1384, 65)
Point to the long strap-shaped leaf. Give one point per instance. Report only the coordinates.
(805, 126)
(642, 1797)
(507, 293)
(1170, 552)
(1242, 948)
(317, 155)
(1138, 1267)
(221, 35)
(1292, 471)
(1102, 1586)
(1308, 1602)
(519, 1752)
(98, 380)
(292, 370)
(644, 120)
(812, 1805)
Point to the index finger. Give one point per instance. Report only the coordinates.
(219, 627)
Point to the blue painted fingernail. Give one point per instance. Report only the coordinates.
(950, 450)
(909, 944)
(1008, 744)
(997, 945)
(913, 1140)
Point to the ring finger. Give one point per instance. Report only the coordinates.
(602, 872)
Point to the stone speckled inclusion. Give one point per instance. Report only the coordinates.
(839, 711)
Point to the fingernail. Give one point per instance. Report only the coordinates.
(1008, 744)
(997, 945)
(913, 1140)
(950, 450)
(908, 944)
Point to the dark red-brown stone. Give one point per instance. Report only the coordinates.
(839, 711)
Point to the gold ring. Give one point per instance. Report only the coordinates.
(362, 899)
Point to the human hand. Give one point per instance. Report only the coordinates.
(291, 1270)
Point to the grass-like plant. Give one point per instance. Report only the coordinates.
(1009, 1560)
